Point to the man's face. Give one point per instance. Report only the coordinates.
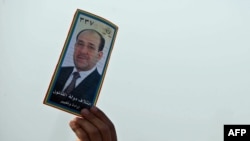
(86, 53)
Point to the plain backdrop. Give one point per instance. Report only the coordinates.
(179, 69)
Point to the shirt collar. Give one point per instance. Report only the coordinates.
(84, 74)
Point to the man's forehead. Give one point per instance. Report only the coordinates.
(89, 33)
(90, 36)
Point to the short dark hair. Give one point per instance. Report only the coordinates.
(102, 41)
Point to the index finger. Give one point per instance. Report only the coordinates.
(100, 114)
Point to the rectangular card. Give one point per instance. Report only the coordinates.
(80, 71)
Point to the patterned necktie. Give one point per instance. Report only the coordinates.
(72, 84)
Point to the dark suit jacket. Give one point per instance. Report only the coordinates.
(86, 90)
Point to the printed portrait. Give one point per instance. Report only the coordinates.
(82, 65)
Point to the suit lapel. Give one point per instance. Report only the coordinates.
(89, 81)
(63, 77)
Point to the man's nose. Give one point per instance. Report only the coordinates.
(84, 49)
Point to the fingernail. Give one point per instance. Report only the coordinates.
(85, 111)
(94, 109)
(72, 123)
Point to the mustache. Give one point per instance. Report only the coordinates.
(82, 56)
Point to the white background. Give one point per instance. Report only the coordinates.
(179, 69)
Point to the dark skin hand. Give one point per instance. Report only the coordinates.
(93, 125)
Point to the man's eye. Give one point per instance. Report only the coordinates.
(91, 47)
(80, 44)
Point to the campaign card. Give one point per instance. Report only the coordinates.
(80, 71)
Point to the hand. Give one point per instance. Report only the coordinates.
(94, 125)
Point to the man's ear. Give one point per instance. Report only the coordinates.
(100, 54)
